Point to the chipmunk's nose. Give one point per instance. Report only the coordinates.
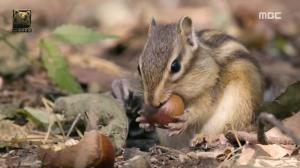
(153, 100)
(149, 109)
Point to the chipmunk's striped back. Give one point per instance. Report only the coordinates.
(225, 47)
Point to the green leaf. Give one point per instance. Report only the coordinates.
(57, 67)
(37, 116)
(286, 104)
(76, 34)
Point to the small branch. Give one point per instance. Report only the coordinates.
(60, 127)
(252, 138)
(79, 132)
(49, 108)
(73, 124)
(48, 132)
(269, 118)
(236, 137)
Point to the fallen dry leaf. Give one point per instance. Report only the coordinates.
(274, 150)
(251, 153)
(100, 64)
(228, 153)
(287, 162)
(89, 70)
(246, 155)
(12, 133)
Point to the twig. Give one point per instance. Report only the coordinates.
(74, 124)
(49, 107)
(79, 132)
(236, 137)
(60, 127)
(252, 138)
(49, 104)
(48, 132)
(265, 117)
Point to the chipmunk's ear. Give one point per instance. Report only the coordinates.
(152, 24)
(186, 30)
(16, 12)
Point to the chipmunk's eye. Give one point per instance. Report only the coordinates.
(175, 66)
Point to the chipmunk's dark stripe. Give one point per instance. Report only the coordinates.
(200, 33)
(217, 40)
(240, 54)
(214, 39)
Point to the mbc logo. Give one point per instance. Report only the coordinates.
(269, 15)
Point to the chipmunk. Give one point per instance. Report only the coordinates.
(214, 74)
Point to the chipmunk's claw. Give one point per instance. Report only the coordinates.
(144, 124)
(141, 119)
(176, 128)
(182, 118)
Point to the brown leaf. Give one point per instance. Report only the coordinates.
(246, 155)
(274, 150)
(251, 153)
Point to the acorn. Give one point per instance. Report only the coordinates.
(174, 106)
(94, 150)
(106, 151)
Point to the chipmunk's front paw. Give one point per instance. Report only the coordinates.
(143, 123)
(199, 140)
(179, 126)
(206, 141)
